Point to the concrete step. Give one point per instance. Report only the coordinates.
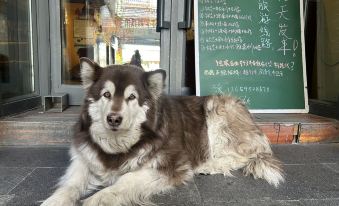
(44, 128)
(39, 128)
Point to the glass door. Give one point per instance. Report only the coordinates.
(18, 71)
(108, 32)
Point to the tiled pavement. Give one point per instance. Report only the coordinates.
(28, 175)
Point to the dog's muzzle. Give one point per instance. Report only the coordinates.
(114, 120)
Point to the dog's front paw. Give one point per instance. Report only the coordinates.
(100, 198)
(59, 200)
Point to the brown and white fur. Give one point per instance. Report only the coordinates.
(134, 141)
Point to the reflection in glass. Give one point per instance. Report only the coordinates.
(16, 70)
(325, 73)
(108, 32)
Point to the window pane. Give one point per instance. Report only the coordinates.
(16, 70)
(108, 32)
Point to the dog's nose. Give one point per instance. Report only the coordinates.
(114, 119)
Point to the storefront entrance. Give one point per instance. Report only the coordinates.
(110, 32)
(41, 42)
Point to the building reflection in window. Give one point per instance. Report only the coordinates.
(108, 32)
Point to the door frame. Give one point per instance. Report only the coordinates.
(178, 49)
(75, 92)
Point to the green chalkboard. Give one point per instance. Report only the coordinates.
(252, 49)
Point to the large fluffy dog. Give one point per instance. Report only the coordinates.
(133, 141)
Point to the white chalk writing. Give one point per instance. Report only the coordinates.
(237, 47)
(254, 63)
(244, 72)
(264, 24)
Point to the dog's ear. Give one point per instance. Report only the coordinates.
(155, 82)
(90, 72)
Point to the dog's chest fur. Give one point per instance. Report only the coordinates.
(104, 175)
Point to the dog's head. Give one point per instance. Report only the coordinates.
(119, 96)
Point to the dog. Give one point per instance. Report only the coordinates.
(132, 141)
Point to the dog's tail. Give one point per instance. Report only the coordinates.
(229, 120)
(265, 166)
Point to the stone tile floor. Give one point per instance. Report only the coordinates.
(29, 174)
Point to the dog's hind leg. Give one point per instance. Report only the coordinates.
(236, 142)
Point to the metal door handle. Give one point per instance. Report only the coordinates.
(187, 23)
(161, 23)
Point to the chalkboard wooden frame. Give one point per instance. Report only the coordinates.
(303, 61)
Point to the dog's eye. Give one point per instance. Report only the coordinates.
(107, 95)
(131, 97)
